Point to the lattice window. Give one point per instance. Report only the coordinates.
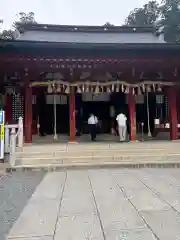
(159, 99)
(166, 107)
(17, 107)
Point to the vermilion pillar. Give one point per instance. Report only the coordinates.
(132, 115)
(178, 103)
(8, 109)
(28, 115)
(72, 115)
(172, 113)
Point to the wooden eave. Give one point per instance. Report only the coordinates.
(60, 45)
(55, 57)
(86, 50)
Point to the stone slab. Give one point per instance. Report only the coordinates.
(119, 234)
(78, 227)
(35, 238)
(37, 219)
(40, 214)
(165, 224)
(145, 200)
(77, 196)
(73, 205)
(112, 205)
(139, 195)
(54, 182)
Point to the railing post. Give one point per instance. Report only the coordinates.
(12, 156)
(20, 135)
(7, 139)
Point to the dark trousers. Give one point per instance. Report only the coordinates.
(92, 130)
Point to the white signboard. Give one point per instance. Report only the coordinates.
(60, 99)
(94, 97)
(140, 99)
(156, 121)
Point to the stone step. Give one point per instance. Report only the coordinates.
(143, 158)
(52, 153)
(98, 154)
(96, 149)
(100, 146)
(124, 164)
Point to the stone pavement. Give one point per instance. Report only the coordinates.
(103, 204)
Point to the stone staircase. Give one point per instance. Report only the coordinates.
(99, 154)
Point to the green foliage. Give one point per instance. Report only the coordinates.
(166, 16)
(147, 15)
(170, 20)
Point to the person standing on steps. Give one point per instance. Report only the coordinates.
(122, 128)
(92, 123)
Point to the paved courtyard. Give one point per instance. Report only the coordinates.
(110, 204)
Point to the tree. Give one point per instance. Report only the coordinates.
(108, 24)
(147, 15)
(170, 20)
(166, 17)
(24, 18)
(7, 34)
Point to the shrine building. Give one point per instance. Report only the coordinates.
(54, 71)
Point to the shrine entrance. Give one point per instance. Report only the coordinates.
(106, 106)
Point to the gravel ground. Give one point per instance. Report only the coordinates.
(15, 190)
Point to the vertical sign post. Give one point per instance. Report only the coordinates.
(1, 134)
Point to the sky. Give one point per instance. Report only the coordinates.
(69, 12)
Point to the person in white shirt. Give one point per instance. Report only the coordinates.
(92, 122)
(122, 128)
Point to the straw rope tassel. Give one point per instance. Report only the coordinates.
(139, 91)
(112, 88)
(143, 88)
(127, 90)
(96, 89)
(133, 91)
(49, 89)
(58, 88)
(122, 88)
(159, 89)
(108, 89)
(67, 90)
(117, 88)
(79, 89)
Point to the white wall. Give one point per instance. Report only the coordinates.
(83, 37)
